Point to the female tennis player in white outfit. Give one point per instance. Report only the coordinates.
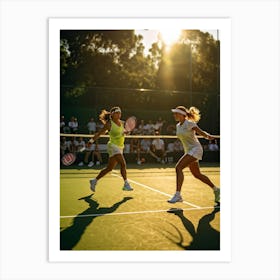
(186, 130)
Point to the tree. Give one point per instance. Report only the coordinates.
(192, 64)
(104, 58)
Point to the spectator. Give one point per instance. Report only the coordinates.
(145, 145)
(171, 129)
(178, 147)
(73, 125)
(213, 146)
(170, 152)
(149, 128)
(63, 146)
(63, 127)
(81, 144)
(62, 124)
(158, 148)
(164, 127)
(141, 126)
(91, 125)
(92, 150)
(134, 145)
(159, 124)
(170, 147)
(72, 145)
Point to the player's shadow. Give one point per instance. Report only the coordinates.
(205, 237)
(70, 236)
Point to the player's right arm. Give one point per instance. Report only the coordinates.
(105, 128)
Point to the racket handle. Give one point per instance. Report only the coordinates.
(91, 141)
(82, 149)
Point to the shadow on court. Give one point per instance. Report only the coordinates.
(204, 238)
(70, 236)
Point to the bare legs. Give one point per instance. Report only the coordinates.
(113, 161)
(195, 170)
(111, 164)
(121, 161)
(193, 165)
(183, 162)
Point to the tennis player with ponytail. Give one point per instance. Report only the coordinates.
(113, 124)
(186, 130)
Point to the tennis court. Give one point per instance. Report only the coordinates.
(112, 219)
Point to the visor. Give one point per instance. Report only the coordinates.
(179, 111)
(118, 110)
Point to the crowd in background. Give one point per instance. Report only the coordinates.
(143, 127)
(145, 149)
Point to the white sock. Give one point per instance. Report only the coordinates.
(125, 181)
(178, 193)
(215, 188)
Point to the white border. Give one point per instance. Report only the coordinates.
(55, 25)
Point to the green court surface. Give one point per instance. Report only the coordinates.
(142, 219)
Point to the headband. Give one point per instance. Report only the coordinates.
(117, 110)
(179, 111)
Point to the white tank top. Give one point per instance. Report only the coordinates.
(187, 136)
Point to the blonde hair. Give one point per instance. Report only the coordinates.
(192, 114)
(104, 116)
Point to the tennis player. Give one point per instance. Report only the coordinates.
(186, 130)
(115, 126)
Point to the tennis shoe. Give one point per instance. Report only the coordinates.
(93, 183)
(81, 164)
(127, 187)
(176, 198)
(217, 195)
(90, 164)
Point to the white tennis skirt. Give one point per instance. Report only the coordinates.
(114, 150)
(196, 152)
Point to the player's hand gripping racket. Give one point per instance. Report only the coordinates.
(130, 124)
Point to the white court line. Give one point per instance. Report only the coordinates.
(137, 212)
(155, 190)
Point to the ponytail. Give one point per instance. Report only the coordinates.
(193, 114)
(104, 117)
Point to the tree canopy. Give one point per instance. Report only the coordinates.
(116, 58)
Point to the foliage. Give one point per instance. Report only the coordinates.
(104, 58)
(115, 58)
(192, 64)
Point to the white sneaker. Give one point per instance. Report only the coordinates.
(90, 164)
(93, 183)
(127, 187)
(176, 198)
(139, 162)
(98, 163)
(81, 164)
(163, 162)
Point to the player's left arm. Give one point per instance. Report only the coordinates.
(203, 133)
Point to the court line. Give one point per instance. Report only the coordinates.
(155, 190)
(138, 212)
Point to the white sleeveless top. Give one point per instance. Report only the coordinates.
(187, 136)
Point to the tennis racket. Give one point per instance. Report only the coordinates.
(68, 159)
(130, 124)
